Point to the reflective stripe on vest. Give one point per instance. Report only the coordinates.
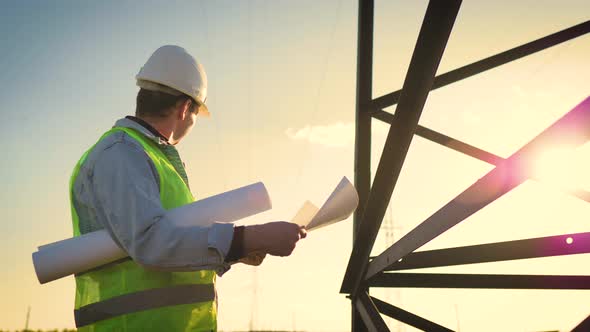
(123, 296)
(144, 300)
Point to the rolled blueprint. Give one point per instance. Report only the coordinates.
(227, 207)
(82, 253)
(78, 254)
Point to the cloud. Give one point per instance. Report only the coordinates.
(337, 135)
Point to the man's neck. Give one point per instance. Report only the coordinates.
(163, 126)
(159, 127)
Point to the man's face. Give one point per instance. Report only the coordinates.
(186, 120)
(191, 120)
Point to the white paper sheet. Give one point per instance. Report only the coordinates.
(305, 214)
(339, 206)
(82, 253)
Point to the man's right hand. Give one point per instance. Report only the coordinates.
(275, 238)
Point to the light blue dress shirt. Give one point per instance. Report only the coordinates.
(117, 189)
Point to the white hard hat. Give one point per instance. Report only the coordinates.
(171, 66)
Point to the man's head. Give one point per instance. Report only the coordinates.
(173, 90)
(178, 112)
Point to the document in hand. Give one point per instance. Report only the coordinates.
(339, 206)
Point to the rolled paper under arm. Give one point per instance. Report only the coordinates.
(227, 207)
(82, 253)
(78, 254)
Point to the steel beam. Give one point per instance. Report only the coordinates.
(584, 326)
(408, 317)
(467, 149)
(491, 62)
(446, 141)
(369, 313)
(449, 280)
(364, 93)
(362, 147)
(579, 193)
(436, 28)
(571, 130)
(568, 244)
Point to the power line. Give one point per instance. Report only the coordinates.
(215, 123)
(322, 79)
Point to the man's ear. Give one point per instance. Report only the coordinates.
(184, 109)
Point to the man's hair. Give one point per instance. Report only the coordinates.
(157, 103)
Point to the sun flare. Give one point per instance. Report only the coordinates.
(564, 168)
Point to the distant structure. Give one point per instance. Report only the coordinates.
(254, 306)
(27, 319)
(573, 129)
(391, 233)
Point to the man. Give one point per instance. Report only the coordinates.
(126, 183)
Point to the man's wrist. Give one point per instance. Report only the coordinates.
(236, 249)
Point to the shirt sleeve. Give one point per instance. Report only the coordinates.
(126, 187)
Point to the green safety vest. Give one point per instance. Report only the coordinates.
(123, 296)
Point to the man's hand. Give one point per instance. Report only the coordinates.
(254, 259)
(275, 238)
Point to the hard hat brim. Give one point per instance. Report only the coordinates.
(154, 85)
(203, 109)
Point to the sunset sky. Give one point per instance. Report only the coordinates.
(281, 93)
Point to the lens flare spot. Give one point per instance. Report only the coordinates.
(563, 168)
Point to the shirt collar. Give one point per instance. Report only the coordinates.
(143, 127)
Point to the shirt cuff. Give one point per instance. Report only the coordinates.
(220, 238)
